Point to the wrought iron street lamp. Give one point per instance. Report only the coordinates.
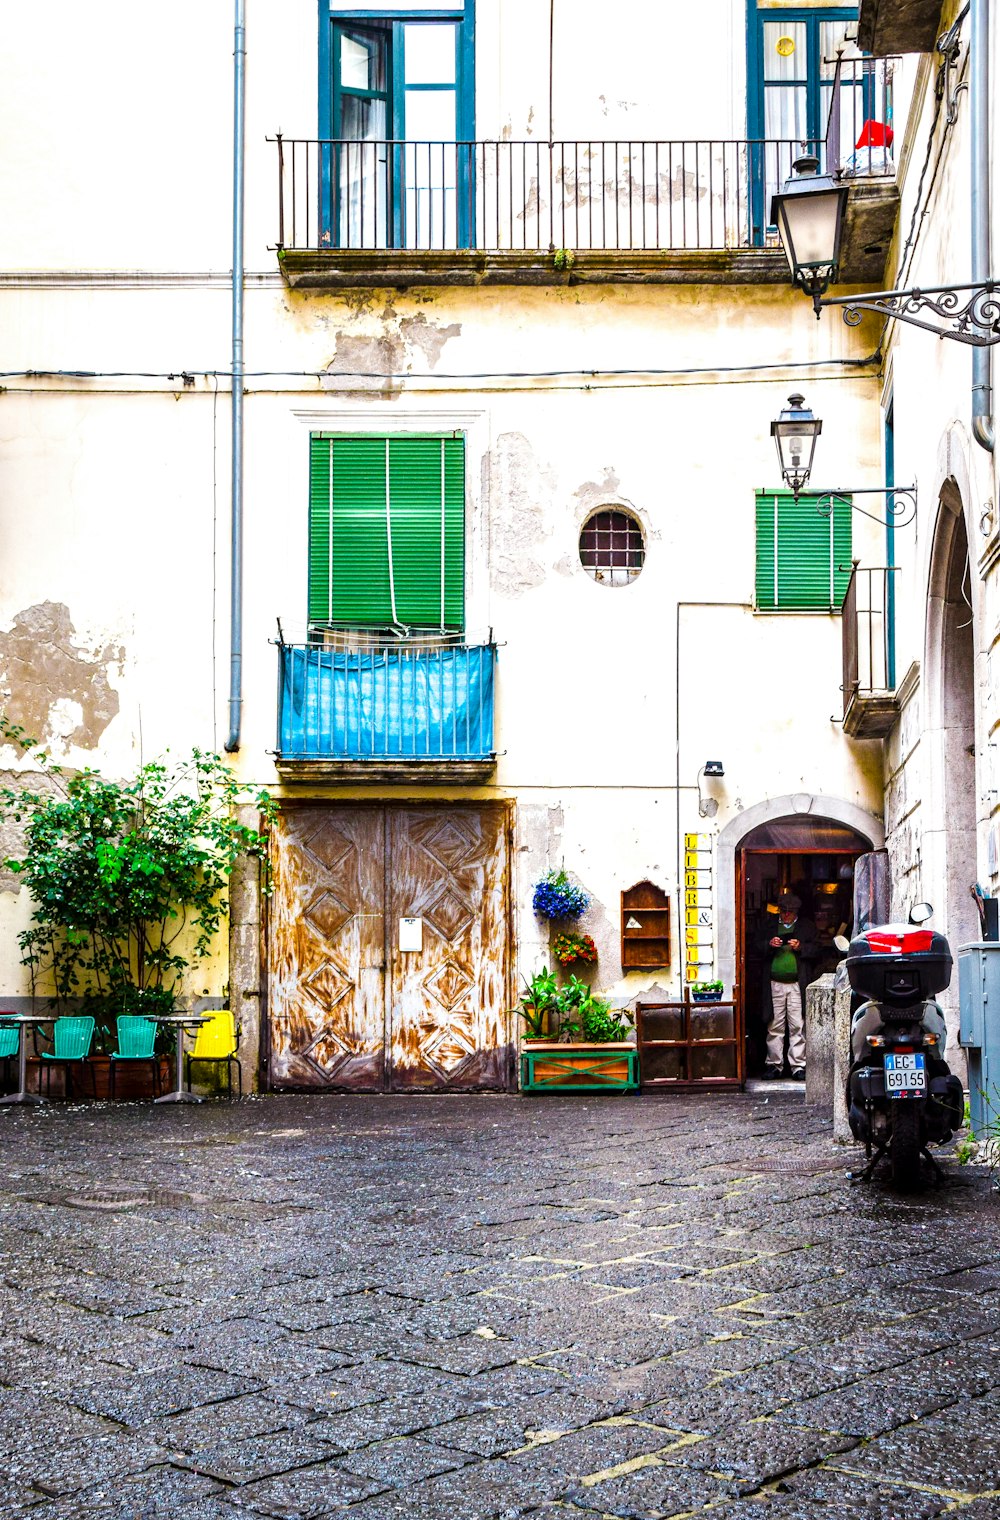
(809, 215)
(795, 432)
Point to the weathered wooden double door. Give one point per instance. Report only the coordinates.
(348, 1006)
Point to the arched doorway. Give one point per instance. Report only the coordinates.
(948, 863)
(813, 857)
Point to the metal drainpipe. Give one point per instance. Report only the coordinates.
(236, 593)
(982, 388)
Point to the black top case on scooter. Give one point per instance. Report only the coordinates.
(898, 965)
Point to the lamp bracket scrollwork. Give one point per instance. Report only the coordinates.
(900, 503)
(964, 313)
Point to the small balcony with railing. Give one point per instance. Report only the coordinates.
(869, 679)
(366, 212)
(366, 706)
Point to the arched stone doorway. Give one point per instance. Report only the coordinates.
(800, 827)
(814, 858)
(948, 859)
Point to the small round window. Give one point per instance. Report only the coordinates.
(611, 549)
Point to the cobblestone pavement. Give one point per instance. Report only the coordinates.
(464, 1308)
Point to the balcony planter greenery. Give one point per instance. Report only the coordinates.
(589, 1053)
(707, 992)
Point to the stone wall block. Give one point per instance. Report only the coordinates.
(820, 1038)
(244, 958)
(841, 1063)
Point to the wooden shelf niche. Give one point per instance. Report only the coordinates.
(645, 928)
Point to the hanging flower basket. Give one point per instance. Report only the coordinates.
(557, 897)
(570, 948)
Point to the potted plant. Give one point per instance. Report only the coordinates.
(539, 1006)
(570, 948)
(592, 1052)
(555, 896)
(707, 992)
(128, 879)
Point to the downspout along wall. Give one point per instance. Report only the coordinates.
(982, 388)
(236, 471)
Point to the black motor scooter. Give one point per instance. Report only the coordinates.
(901, 1095)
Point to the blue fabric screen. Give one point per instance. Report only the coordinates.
(401, 703)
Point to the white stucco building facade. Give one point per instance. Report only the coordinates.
(579, 379)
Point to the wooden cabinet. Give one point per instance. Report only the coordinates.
(645, 928)
(690, 1044)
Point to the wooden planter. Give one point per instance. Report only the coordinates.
(550, 1067)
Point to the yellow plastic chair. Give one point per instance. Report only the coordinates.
(217, 1042)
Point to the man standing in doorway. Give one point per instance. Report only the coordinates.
(789, 950)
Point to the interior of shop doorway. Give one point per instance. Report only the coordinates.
(813, 858)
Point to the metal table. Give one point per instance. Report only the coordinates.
(23, 1019)
(180, 1022)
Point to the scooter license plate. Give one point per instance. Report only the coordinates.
(905, 1076)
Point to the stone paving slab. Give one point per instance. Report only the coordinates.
(470, 1308)
(136, 1398)
(651, 1492)
(245, 1416)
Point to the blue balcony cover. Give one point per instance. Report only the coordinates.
(405, 703)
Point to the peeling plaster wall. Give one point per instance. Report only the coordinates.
(55, 686)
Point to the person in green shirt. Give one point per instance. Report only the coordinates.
(789, 950)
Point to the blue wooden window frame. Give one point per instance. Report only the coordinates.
(464, 20)
(759, 12)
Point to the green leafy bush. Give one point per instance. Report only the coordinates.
(129, 879)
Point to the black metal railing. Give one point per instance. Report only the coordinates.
(866, 633)
(536, 197)
(564, 197)
(859, 133)
(386, 699)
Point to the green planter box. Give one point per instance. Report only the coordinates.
(550, 1067)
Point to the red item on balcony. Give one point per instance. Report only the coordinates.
(875, 134)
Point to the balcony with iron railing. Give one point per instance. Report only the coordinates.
(869, 680)
(354, 212)
(376, 707)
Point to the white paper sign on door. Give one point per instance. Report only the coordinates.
(411, 934)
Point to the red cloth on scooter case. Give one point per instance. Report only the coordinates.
(879, 966)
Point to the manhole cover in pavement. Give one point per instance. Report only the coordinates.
(797, 1168)
(108, 1200)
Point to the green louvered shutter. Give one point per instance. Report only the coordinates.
(803, 554)
(352, 577)
(320, 565)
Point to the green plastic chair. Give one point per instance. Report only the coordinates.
(71, 1041)
(136, 1038)
(10, 1039)
(217, 1042)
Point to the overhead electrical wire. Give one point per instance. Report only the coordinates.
(188, 376)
